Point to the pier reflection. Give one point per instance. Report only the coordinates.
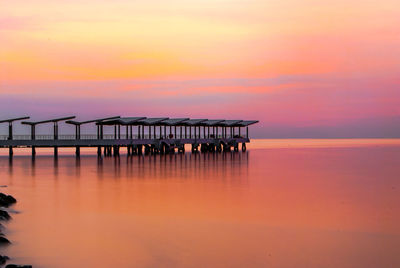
(222, 166)
(228, 166)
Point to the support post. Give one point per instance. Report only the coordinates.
(131, 127)
(55, 131)
(10, 131)
(55, 138)
(33, 137)
(10, 137)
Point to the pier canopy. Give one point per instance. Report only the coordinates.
(54, 120)
(246, 123)
(193, 122)
(213, 122)
(152, 121)
(121, 121)
(10, 123)
(166, 121)
(174, 121)
(230, 123)
(13, 119)
(73, 122)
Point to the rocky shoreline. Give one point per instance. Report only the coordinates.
(5, 202)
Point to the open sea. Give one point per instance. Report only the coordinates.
(283, 203)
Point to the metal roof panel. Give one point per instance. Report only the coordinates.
(212, 122)
(48, 120)
(174, 121)
(13, 119)
(152, 121)
(247, 123)
(229, 123)
(192, 122)
(90, 121)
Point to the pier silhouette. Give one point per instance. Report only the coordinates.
(142, 135)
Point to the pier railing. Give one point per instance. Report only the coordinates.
(107, 137)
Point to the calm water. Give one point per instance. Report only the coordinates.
(284, 203)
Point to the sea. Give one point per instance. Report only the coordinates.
(283, 203)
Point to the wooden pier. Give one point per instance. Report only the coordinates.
(139, 135)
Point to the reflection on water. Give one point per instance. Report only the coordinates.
(300, 207)
(225, 165)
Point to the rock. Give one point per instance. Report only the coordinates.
(6, 200)
(4, 216)
(3, 259)
(18, 266)
(4, 240)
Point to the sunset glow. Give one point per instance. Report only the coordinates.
(303, 68)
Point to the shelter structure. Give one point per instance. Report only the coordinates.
(153, 134)
(55, 121)
(10, 129)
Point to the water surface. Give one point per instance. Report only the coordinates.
(287, 203)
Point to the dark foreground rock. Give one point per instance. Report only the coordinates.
(4, 241)
(4, 216)
(6, 200)
(3, 259)
(18, 266)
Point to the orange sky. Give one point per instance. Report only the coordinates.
(291, 64)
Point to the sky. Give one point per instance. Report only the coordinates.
(303, 68)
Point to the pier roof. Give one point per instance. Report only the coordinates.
(152, 121)
(192, 122)
(90, 121)
(122, 121)
(54, 120)
(73, 122)
(212, 122)
(230, 123)
(174, 121)
(246, 123)
(13, 119)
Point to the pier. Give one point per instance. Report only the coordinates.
(137, 135)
